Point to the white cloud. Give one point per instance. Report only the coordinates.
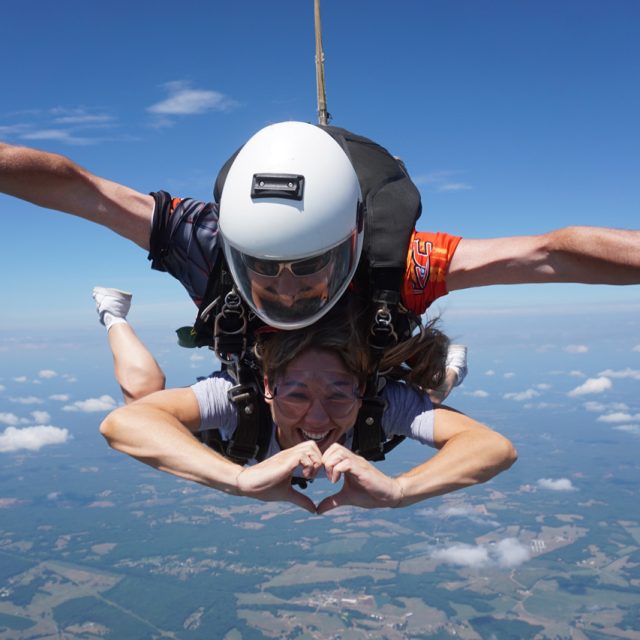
(490, 372)
(576, 348)
(463, 555)
(510, 552)
(521, 396)
(59, 135)
(543, 386)
(91, 405)
(84, 119)
(60, 397)
(592, 385)
(507, 553)
(629, 428)
(454, 186)
(619, 416)
(13, 130)
(20, 379)
(47, 374)
(601, 407)
(636, 348)
(9, 418)
(31, 438)
(443, 181)
(559, 484)
(26, 400)
(595, 407)
(509, 375)
(183, 100)
(470, 514)
(577, 374)
(541, 405)
(479, 393)
(41, 417)
(196, 357)
(2, 387)
(625, 373)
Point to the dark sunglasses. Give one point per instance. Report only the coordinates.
(300, 268)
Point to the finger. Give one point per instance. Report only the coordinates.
(331, 476)
(332, 502)
(331, 461)
(335, 451)
(310, 463)
(334, 448)
(317, 465)
(302, 501)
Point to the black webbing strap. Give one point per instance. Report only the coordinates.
(368, 436)
(243, 446)
(251, 437)
(218, 284)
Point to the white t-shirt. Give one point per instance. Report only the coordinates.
(409, 412)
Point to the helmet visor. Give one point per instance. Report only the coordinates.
(290, 294)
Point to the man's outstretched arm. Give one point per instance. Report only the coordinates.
(55, 182)
(591, 255)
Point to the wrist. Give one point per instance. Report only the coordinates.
(399, 503)
(235, 489)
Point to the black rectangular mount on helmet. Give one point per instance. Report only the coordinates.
(277, 185)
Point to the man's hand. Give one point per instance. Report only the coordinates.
(270, 480)
(364, 485)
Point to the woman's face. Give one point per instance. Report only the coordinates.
(316, 398)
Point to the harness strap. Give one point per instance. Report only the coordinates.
(243, 446)
(368, 436)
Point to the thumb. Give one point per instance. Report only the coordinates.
(333, 502)
(302, 501)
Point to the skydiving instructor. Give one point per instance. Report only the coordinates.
(293, 251)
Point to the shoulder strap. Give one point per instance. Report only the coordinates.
(253, 431)
(254, 426)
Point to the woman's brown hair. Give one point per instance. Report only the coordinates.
(419, 360)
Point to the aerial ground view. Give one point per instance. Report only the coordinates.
(95, 545)
(513, 120)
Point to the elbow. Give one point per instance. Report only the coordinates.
(110, 427)
(506, 454)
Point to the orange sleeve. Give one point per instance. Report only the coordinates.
(428, 260)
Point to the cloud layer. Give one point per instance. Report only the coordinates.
(507, 553)
(31, 438)
(183, 100)
(592, 385)
(558, 484)
(92, 405)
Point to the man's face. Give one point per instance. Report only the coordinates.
(292, 294)
(316, 398)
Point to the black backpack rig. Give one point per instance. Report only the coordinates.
(392, 206)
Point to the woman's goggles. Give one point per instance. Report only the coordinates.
(295, 399)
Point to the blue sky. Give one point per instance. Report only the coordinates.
(513, 118)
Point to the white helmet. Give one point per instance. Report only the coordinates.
(291, 223)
